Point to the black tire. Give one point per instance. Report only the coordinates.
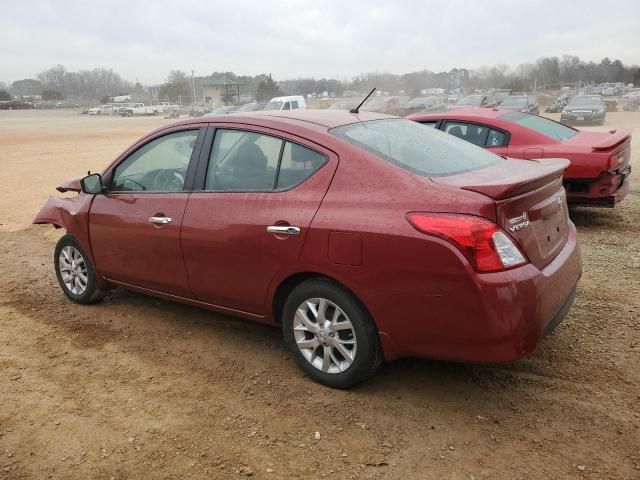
(368, 356)
(91, 292)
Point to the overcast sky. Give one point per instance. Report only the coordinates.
(145, 39)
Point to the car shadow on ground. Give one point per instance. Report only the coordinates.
(228, 335)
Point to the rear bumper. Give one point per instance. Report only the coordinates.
(605, 191)
(506, 316)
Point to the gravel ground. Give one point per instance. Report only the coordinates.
(136, 387)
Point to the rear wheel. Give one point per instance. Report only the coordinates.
(75, 272)
(329, 334)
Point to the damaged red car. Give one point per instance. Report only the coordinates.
(598, 174)
(363, 237)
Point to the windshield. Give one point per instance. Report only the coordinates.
(277, 105)
(474, 100)
(584, 101)
(549, 128)
(415, 147)
(514, 102)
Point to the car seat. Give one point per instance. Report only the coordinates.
(249, 168)
(456, 132)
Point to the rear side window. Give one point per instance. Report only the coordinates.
(415, 147)
(496, 139)
(294, 104)
(298, 163)
(549, 128)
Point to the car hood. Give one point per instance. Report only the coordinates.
(585, 108)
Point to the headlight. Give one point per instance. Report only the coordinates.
(600, 112)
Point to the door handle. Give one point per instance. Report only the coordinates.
(160, 220)
(283, 229)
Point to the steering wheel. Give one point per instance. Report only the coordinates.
(169, 181)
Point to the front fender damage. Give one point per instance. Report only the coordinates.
(72, 214)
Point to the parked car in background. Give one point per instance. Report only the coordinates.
(198, 111)
(330, 226)
(345, 105)
(15, 105)
(101, 110)
(521, 103)
(118, 108)
(221, 111)
(292, 102)
(598, 174)
(485, 101)
(139, 109)
(389, 105)
(422, 104)
(252, 107)
(584, 109)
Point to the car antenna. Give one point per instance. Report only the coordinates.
(357, 109)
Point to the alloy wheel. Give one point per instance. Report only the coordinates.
(324, 335)
(73, 270)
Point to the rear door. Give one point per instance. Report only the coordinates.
(135, 226)
(258, 191)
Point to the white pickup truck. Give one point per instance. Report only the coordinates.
(137, 109)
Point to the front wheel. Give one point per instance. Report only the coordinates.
(75, 272)
(330, 335)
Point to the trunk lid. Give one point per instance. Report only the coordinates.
(530, 202)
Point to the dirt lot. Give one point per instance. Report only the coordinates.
(136, 387)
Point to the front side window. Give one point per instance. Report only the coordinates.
(414, 147)
(159, 166)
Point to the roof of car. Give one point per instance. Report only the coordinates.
(467, 112)
(319, 117)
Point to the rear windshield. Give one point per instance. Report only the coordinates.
(417, 148)
(542, 125)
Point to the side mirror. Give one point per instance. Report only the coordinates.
(91, 184)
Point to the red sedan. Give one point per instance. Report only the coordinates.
(600, 161)
(363, 237)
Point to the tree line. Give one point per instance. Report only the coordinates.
(547, 73)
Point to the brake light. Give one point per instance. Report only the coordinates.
(486, 246)
(614, 161)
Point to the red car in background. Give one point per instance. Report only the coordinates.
(598, 174)
(362, 236)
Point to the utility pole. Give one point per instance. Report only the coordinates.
(193, 82)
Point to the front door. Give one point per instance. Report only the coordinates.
(135, 226)
(250, 220)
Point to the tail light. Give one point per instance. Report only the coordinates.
(486, 246)
(614, 161)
